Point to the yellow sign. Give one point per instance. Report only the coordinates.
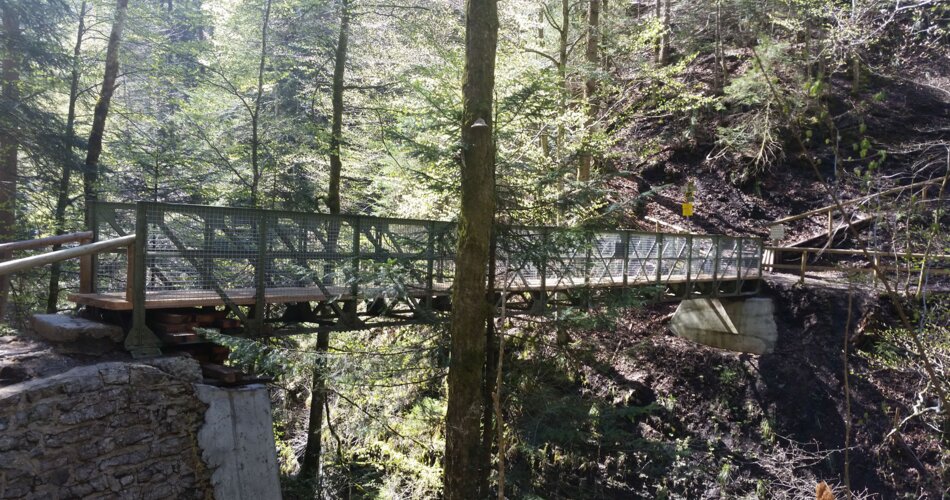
(687, 209)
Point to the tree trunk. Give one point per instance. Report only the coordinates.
(592, 55)
(310, 468)
(664, 55)
(91, 173)
(9, 143)
(336, 133)
(59, 216)
(562, 74)
(256, 171)
(311, 465)
(469, 308)
(659, 42)
(491, 351)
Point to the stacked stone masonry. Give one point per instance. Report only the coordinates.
(110, 430)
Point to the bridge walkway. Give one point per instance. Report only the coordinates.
(291, 272)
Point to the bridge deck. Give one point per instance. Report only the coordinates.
(173, 299)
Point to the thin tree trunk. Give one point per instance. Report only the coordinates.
(592, 55)
(847, 397)
(91, 174)
(59, 216)
(469, 308)
(256, 170)
(9, 143)
(310, 468)
(491, 353)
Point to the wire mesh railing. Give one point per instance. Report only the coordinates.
(204, 255)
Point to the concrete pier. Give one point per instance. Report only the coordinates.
(735, 325)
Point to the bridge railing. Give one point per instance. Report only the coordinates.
(548, 259)
(242, 256)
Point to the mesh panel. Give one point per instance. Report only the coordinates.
(112, 220)
(221, 254)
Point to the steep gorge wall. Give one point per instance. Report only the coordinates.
(120, 429)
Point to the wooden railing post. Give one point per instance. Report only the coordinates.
(129, 272)
(87, 264)
(140, 341)
(86, 271)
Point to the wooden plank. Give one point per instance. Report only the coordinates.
(222, 373)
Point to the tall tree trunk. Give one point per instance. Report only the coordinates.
(311, 464)
(470, 311)
(664, 54)
(855, 60)
(592, 55)
(659, 41)
(91, 173)
(9, 143)
(721, 72)
(563, 34)
(336, 133)
(59, 216)
(256, 170)
(310, 468)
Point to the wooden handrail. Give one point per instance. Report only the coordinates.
(45, 242)
(13, 266)
(841, 251)
(831, 208)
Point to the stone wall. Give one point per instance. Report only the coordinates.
(125, 429)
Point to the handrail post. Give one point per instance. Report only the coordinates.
(758, 282)
(626, 258)
(129, 272)
(588, 268)
(260, 270)
(717, 245)
(740, 263)
(140, 341)
(355, 286)
(659, 265)
(543, 270)
(430, 263)
(88, 265)
(689, 266)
